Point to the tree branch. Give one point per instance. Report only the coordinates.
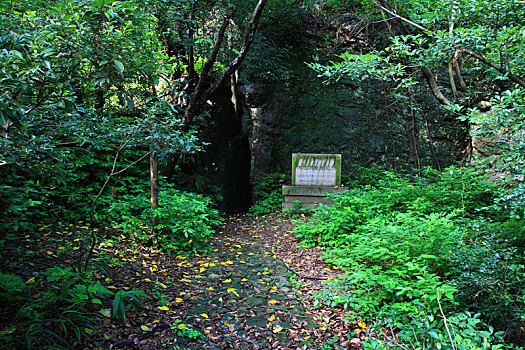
(491, 64)
(124, 142)
(434, 87)
(198, 101)
(213, 54)
(462, 83)
(420, 27)
(451, 62)
(480, 58)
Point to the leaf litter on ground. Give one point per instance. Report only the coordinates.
(238, 295)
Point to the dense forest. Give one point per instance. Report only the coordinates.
(144, 146)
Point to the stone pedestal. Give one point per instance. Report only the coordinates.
(310, 196)
(313, 177)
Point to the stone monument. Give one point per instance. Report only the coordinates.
(313, 177)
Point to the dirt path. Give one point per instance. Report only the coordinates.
(251, 291)
(240, 295)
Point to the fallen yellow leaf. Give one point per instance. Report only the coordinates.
(361, 324)
(271, 318)
(273, 301)
(277, 329)
(204, 315)
(165, 308)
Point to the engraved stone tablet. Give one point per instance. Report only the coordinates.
(316, 169)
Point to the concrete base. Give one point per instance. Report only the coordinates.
(310, 196)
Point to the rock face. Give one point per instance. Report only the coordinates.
(359, 121)
(487, 145)
(298, 113)
(302, 115)
(263, 108)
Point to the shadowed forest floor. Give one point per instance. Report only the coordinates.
(251, 291)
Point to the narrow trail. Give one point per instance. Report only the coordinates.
(248, 293)
(252, 290)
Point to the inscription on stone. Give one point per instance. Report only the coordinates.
(316, 169)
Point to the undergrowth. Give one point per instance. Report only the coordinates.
(61, 304)
(60, 307)
(183, 221)
(429, 258)
(267, 191)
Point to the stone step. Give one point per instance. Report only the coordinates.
(319, 191)
(310, 196)
(307, 199)
(304, 205)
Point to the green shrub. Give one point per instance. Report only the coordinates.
(183, 221)
(65, 311)
(360, 176)
(460, 331)
(512, 231)
(22, 205)
(267, 192)
(489, 276)
(44, 192)
(404, 238)
(391, 260)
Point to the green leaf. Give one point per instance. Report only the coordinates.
(119, 66)
(129, 103)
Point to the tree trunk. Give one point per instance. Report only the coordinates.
(236, 97)
(199, 97)
(154, 178)
(169, 171)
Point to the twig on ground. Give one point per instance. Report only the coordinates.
(305, 276)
